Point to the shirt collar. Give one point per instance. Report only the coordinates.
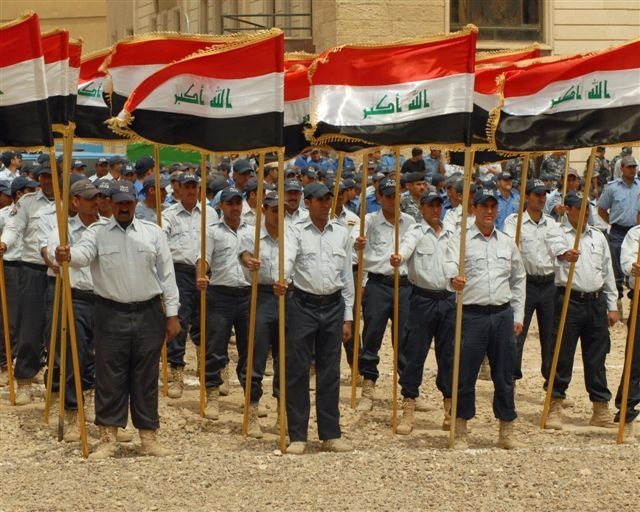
(475, 232)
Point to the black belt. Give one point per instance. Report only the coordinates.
(317, 300)
(83, 294)
(265, 288)
(582, 296)
(432, 294)
(354, 268)
(388, 280)
(184, 268)
(12, 263)
(486, 310)
(620, 228)
(128, 307)
(35, 266)
(232, 291)
(549, 278)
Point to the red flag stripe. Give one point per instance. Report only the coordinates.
(55, 46)
(296, 84)
(90, 66)
(509, 56)
(362, 66)
(162, 50)
(20, 41)
(75, 54)
(624, 57)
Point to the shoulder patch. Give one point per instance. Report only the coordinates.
(13, 211)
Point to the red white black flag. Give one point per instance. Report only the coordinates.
(55, 46)
(92, 110)
(413, 92)
(24, 113)
(581, 102)
(226, 99)
(133, 60)
(296, 101)
(75, 60)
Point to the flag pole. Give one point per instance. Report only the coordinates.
(396, 297)
(62, 217)
(336, 185)
(358, 305)
(5, 328)
(631, 335)
(165, 366)
(62, 376)
(282, 404)
(52, 348)
(567, 293)
(523, 188)
(457, 343)
(203, 273)
(254, 299)
(565, 180)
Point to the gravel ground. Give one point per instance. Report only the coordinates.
(215, 468)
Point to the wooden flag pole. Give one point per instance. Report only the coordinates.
(5, 329)
(565, 181)
(358, 284)
(62, 382)
(282, 404)
(52, 348)
(457, 343)
(523, 189)
(336, 185)
(62, 217)
(631, 339)
(396, 297)
(165, 365)
(567, 293)
(203, 273)
(254, 299)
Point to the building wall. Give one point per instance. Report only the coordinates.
(86, 19)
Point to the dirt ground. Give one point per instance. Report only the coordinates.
(215, 468)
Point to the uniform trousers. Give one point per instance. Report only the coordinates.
(487, 330)
(377, 310)
(616, 237)
(31, 320)
(188, 314)
(586, 320)
(12, 272)
(314, 326)
(348, 344)
(541, 300)
(128, 342)
(431, 316)
(84, 316)
(266, 337)
(227, 307)
(634, 383)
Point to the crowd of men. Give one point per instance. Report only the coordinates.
(136, 281)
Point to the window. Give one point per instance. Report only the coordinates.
(500, 20)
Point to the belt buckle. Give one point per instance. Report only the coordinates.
(582, 295)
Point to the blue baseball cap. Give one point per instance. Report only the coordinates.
(150, 181)
(122, 191)
(292, 185)
(22, 182)
(103, 186)
(5, 188)
(387, 187)
(316, 189)
(484, 195)
(230, 193)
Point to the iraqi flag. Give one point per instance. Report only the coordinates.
(296, 105)
(509, 56)
(55, 46)
(92, 110)
(580, 102)
(399, 94)
(24, 113)
(75, 60)
(133, 60)
(226, 99)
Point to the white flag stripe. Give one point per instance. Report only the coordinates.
(73, 76)
(126, 78)
(486, 101)
(57, 77)
(295, 111)
(90, 93)
(600, 89)
(23, 82)
(196, 95)
(341, 105)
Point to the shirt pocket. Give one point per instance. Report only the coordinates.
(339, 256)
(424, 257)
(146, 254)
(109, 257)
